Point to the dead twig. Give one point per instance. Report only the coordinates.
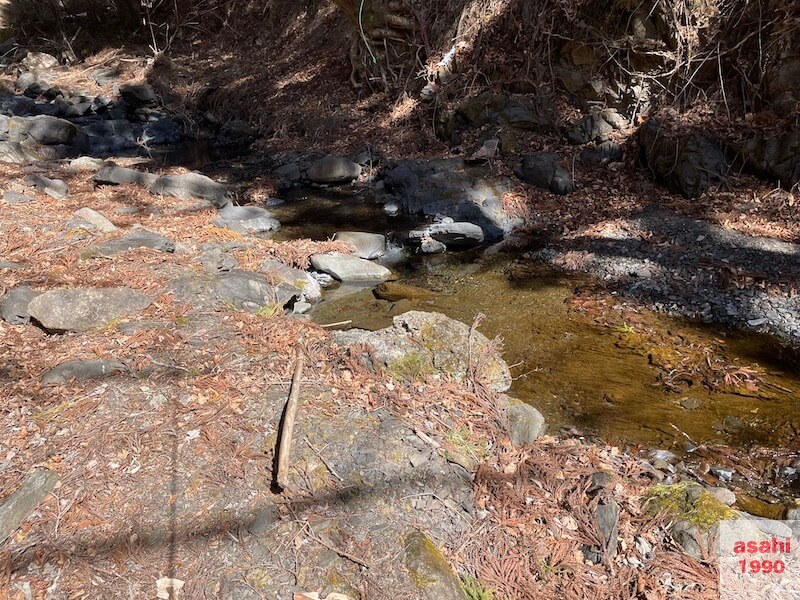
(287, 426)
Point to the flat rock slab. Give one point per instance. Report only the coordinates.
(16, 508)
(333, 169)
(246, 219)
(55, 188)
(85, 308)
(238, 288)
(453, 234)
(115, 175)
(421, 344)
(277, 272)
(81, 370)
(346, 267)
(14, 305)
(15, 198)
(368, 245)
(140, 239)
(95, 219)
(191, 185)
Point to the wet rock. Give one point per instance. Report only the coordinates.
(114, 175)
(15, 198)
(81, 370)
(277, 272)
(368, 245)
(686, 165)
(333, 169)
(451, 188)
(85, 308)
(430, 572)
(525, 423)
(95, 219)
(14, 305)
(191, 185)
(451, 234)
(140, 239)
(346, 267)
(250, 219)
(394, 292)
(105, 137)
(543, 170)
(139, 95)
(428, 245)
(39, 61)
(55, 188)
(421, 343)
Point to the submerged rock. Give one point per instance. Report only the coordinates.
(85, 308)
(420, 344)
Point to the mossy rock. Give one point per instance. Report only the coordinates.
(430, 572)
(688, 501)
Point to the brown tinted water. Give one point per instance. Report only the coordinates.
(577, 372)
(581, 374)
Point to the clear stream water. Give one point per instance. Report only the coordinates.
(577, 373)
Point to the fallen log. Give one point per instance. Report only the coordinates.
(287, 425)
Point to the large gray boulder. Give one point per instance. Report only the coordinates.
(104, 137)
(42, 129)
(85, 308)
(191, 185)
(368, 245)
(333, 169)
(449, 187)
(240, 289)
(420, 344)
(14, 305)
(686, 164)
(346, 267)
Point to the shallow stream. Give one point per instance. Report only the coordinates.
(587, 377)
